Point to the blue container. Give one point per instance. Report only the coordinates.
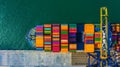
(80, 46)
(80, 28)
(39, 33)
(97, 29)
(40, 49)
(89, 42)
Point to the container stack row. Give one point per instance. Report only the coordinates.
(80, 42)
(64, 37)
(116, 36)
(118, 45)
(55, 37)
(97, 36)
(47, 37)
(72, 37)
(39, 37)
(89, 37)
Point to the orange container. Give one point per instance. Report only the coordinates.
(47, 36)
(118, 29)
(64, 27)
(39, 42)
(64, 44)
(73, 46)
(47, 25)
(98, 45)
(64, 50)
(64, 41)
(55, 33)
(89, 28)
(89, 47)
(55, 39)
(47, 46)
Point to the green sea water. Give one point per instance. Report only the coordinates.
(17, 17)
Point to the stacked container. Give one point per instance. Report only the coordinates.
(80, 30)
(89, 38)
(72, 37)
(55, 37)
(64, 37)
(118, 45)
(39, 37)
(117, 27)
(97, 35)
(47, 37)
(116, 36)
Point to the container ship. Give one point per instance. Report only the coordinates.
(101, 39)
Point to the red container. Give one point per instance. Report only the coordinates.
(55, 25)
(64, 38)
(89, 37)
(47, 39)
(56, 45)
(64, 35)
(73, 30)
(55, 49)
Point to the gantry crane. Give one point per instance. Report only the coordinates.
(103, 57)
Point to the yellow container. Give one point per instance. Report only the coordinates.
(89, 47)
(89, 28)
(47, 48)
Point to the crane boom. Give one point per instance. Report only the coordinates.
(104, 33)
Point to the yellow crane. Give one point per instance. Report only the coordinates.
(104, 34)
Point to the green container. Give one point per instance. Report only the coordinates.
(47, 50)
(47, 29)
(72, 50)
(64, 32)
(64, 46)
(97, 26)
(64, 24)
(97, 39)
(115, 42)
(89, 34)
(47, 32)
(72, 25)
